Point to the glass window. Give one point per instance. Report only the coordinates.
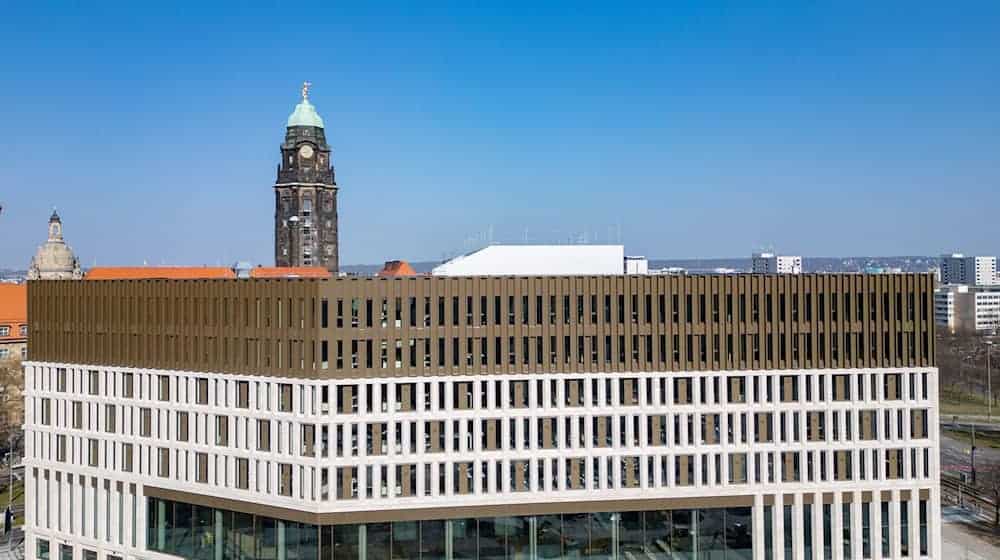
(192, 531)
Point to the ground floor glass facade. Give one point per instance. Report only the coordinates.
(203, 533)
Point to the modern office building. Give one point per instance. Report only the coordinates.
(629, 417)
(957, 268)
(967, 309)
(769, 263)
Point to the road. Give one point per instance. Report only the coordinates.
(955, 456)
(12, 546)
(965, 537)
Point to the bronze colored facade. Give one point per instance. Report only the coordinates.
(388, 327)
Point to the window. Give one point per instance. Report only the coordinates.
(243, 394)
(263, 435)
(201, 465)
(222, 430)
(145, 422)
(4, 330)
(127, 457)
(41, 549)
(242, 474)
(93, 452)
(109, 418)
(285, 479)
(93, 385)
(163, 462)
(285, 397)
(127, 391)
(202, 395)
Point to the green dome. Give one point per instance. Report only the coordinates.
(305, 115)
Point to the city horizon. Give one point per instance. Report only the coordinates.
(734, 115)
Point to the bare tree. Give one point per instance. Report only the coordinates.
(11, 399)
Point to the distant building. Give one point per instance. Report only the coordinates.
(967, 309)
(290, 272)
(636, 265)
(769, 263)
(13, 321)
(13, 347)
(670, 270)
(159, 273)
(240, 270)
(882, 270)
(538, 260)
(957, 268)
(54, 259)
(397, 268)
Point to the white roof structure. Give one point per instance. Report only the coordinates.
(537, 260)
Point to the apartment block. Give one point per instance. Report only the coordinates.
(968, 309)
(769, 263)
(976, 271)
(628, 417)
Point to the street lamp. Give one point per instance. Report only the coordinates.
(989, 383)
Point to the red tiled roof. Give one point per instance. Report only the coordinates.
(13, 308)
(397, 268)
(159, 273)
(290, 272)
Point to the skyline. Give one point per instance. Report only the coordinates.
(155, 132)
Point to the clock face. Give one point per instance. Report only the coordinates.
(306, 151)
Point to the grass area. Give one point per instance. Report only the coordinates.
(982, 440)
(953, 402)
(18, 500)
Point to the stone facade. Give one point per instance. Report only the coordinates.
(305, 195)
(54, 259)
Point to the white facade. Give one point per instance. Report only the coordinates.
(967, 308)
(957, 268)
(769, 263)
(944, 307)
(96, 435)
(636, 265)
(537, 260)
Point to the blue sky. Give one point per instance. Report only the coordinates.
(695, 129)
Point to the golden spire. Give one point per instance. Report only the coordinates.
(305, 90)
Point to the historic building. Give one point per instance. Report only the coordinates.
(305, 194)
(745, 417)
(13, 348)
(13, 321)
(54, 259)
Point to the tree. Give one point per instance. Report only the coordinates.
(11, 398)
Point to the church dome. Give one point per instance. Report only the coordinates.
(54, 259)
(305, 113)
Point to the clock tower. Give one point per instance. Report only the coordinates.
(305, 194)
